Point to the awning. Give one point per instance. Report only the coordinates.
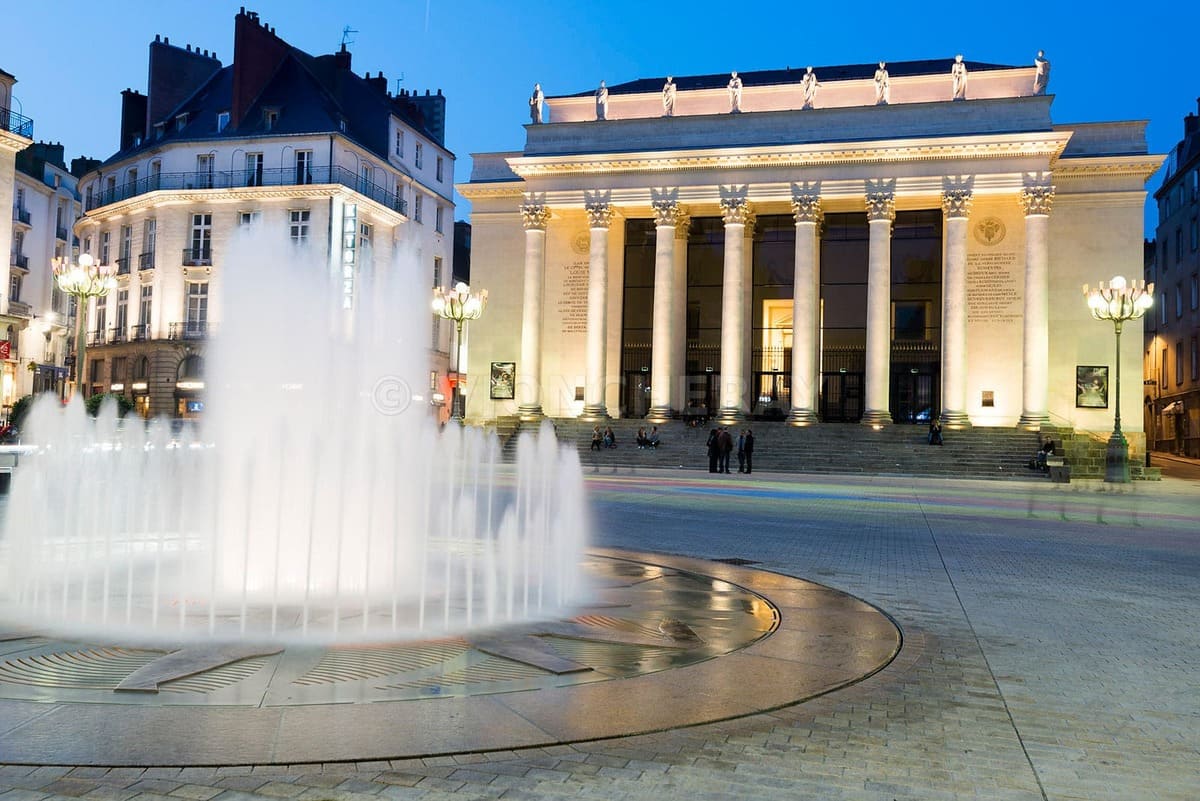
(1173, 408)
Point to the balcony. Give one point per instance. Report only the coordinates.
(117, 334)
(146, 261)
(62, 233)
(123, 265)
(19, 261)
(197, 257)
(16, 123)
(235, 179)
(192, 329)
(139, 333)
(97, 337)
(18, 308)
(22, 216)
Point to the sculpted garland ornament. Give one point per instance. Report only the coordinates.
(666, 213)
(1037, 200)
(956, 203)
(735, 210)
(807, 208)
(600, 215)
(534, 216)
(881, 206)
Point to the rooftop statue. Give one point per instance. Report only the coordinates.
(809, 86)
(883, 87)
(958, 73)
(602, 102)
(669, 97)
(536, 101)
(1041, 78)
(735, 93)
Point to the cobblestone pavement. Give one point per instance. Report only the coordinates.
(1050, 653)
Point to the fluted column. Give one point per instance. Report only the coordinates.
(663, 371)
(529, 369)
(1036, 349)
(881, 211)
(956, 205)
(596, 379)
(806, 290)
(733, 311)
(679, 310)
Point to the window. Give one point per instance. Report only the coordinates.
(1195, 291)
(101, 317)
(1178, 245)
(122, 325)
(248, 218)
(437, 219)
(105, 239)
(1195, 235)
(254, 169)
(197, 307)
(131, 176)
(19, 202)
(146, 307)
(18, 242)
(1195, 359)
(149, 244)
(181, 122)
(1162, 308)
(1178, 362)
(270, 118)
(437, 272)
(97, 370)
(88, 197)
(87, 244)
(304, 166)
(201, 250)
(204, 171)
(400, 144)
(1178, 301)
(440, 167)
(298, 219)
(417, 197)
(119, 370)
(14, 287)
(222, 120)
(126, 249)
(364, 235)
(365, 175)
(909, 320)
(1162, 254)
(1162, 370)
(418, 155)
(155, 173)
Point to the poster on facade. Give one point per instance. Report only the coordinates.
(504, 380)
(1091, 387)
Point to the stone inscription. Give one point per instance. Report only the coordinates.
(573, 300)
(995, 287)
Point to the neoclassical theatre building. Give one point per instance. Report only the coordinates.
(874, 243)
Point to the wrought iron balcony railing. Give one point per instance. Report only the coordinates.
(117, 334)
(146, 261)
(19, 260)
(62, 233)
(197, 257)
(21, 215)
(97, 337)
(16, 123)
(123, 265)
(139, 333)
(233, 179)
(191, 329)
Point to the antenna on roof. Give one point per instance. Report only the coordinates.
(399, 80)
(346, 36)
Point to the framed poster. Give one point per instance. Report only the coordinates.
(1091, 387)
(504, 380)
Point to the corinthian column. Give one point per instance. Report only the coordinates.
(733, 311)
(881, 211)
(663, 370)
(529, 373)
(596, 379)
(806, 291)
(956, 205)
(679, 310)
(1036, 350)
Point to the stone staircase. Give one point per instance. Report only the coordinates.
(1085, 455)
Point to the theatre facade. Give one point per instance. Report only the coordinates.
(883, 244)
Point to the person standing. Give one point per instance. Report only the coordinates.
(725, 441)
(714, 450)
(741, 451)
(749, 448)
(602, 102)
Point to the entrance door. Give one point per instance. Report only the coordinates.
(637, 394)
(841, 397)
(702, 397)
(913, 398)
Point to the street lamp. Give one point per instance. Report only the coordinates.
(1119, 301)
(459, 305)
(83, 280)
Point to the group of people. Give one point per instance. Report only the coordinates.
(607, 439)
(721, 446)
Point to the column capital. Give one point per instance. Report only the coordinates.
(751, 221)
(534, 216)
(956, 203)
(600, 215)
(1037, 200)
(683, 224)
(735, 210)
(881, 206)
(806, 207)
(667, 213)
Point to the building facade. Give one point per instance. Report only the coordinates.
(16, 134)
(1172, 357)
(302, 144)
(880, 244)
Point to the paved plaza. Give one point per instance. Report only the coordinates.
(1049, 644)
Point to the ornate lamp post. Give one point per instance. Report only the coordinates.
(83, 280)
(1118, 302)
(459, 305)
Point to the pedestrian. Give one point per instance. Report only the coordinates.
(610, 439)
(725, 440)
(749, 447)
(741, 451)
(596, 437)
(935, 432)
(714, 450)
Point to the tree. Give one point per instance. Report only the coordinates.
(124, 404)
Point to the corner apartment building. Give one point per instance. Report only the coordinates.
(1172, 357)
(16, 134)
(280, 137)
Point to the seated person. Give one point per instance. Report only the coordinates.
(642, 441)
(1039, 459)
(935, 433)
(652, 440)
(610, 439)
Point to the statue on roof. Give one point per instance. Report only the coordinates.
(809, 85)
(669, 97)
(536, 101)
(958, 74)
(735, 93)
(1041, 75)
(883, 86)
(602, 102)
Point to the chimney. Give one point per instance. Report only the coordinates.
(1191, 125)
(82, 165)
(133, 117)
(341, 58)
(378, 82)
(175, 75)
(257, 54)
(433, 110)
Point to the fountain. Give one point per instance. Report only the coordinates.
(316, 502)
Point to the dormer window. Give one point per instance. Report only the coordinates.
(270, 118)
(159, 129)
(222, 120)
(181, 121)
(137, 140)
(342, 124)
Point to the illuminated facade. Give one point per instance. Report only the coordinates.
(16, 133)
(332, 160)
(858, 250)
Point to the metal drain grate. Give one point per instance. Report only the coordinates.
(738, 561)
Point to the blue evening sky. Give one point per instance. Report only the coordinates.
(73, 57)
